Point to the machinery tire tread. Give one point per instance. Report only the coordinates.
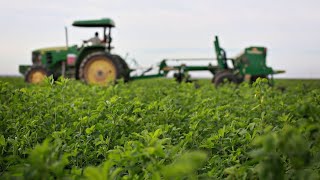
(222, 75)
(125, 70)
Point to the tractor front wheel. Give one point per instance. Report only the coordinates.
(99, 68)
(36, 74)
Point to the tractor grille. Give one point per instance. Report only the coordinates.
(49, 58)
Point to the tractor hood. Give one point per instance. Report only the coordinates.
(56, 49)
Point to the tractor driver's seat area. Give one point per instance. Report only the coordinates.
(105, 23)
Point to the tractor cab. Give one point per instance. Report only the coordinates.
(105, 23)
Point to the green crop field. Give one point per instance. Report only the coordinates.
(159, 129)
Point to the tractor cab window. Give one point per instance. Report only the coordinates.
(95, 40)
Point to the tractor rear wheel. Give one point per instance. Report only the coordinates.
(100, 68)
(125, 70)
(224, 77)
(36, 74)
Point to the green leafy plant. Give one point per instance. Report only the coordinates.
(158, 129)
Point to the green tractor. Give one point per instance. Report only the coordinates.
(91, 63)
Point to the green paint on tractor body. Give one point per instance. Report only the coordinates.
(50, 57)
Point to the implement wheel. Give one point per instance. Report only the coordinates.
(254, 78)
(99, 68)
(224, 77)
(36, 74)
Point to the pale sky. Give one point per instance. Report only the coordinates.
(149, 31)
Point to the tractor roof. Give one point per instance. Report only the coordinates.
(104, 22)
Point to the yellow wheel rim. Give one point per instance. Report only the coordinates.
(100, 72)
(37, 77)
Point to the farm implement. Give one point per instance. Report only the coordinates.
(95, 64)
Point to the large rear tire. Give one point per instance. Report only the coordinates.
(100, 68)
(125, 70)
(36, 74)
(224, 77)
